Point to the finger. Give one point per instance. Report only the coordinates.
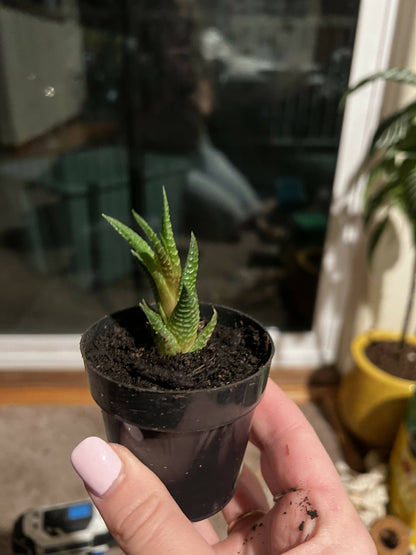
(206, 530)
(295, 463)
(292, 454)
(249, 495)
(137, 508)
(318, 523)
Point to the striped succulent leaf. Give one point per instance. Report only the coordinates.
(176, 320)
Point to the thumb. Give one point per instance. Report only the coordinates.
(139, 512)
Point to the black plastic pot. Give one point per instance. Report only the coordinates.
(193, 440)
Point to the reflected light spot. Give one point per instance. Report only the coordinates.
(49, 92)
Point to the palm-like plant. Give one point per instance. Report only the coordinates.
(390, 167)
(176, 322)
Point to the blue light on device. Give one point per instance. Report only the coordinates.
(75, 512)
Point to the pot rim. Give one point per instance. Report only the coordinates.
(132, 403)
(185, 392)
(361, 341)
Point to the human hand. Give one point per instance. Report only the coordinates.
(311, 513)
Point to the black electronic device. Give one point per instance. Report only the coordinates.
(72, 528)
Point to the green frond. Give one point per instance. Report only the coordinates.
(409, 190)
(394, 74)
(394, 129)
(205, 333)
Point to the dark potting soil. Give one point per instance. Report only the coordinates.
(397, 362)
(127, 354)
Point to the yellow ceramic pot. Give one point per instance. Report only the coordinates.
(371, 401)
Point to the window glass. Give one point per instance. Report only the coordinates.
(231, 105)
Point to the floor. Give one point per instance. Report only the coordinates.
(302, 385)
(43, 415)
(71, 388)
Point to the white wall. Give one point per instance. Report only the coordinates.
(378, 294)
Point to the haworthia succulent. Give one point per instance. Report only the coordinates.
(176, 321)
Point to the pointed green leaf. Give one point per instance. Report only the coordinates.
(394, 74)
(167, 237)
(153, 275)
(190, 268)
(164, 295)
(394, 129)
(162, 255)
(137, 243)
(408, 144)
(205, 333)
(162, 292)
(143, 252)
(408, 175)
(165, 340)
(377, 177)
(184, 321)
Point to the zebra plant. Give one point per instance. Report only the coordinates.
(390, 168)
(175, 322)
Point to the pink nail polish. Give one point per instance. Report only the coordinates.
(96, 463)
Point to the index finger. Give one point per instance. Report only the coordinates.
(291, 452)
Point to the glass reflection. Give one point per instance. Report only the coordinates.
(231, 105)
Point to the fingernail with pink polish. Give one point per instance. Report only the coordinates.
(96, 463)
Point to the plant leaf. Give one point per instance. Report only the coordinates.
(394, 129)
(395, 74)
(408, 144)
(176, 322)
(162, 255)
(137, 243)
(409, 190)
(165, 340)
(143, 252)
(154, 276)
(205, 333)
(168, 238)
(190, 268)
(184, 321)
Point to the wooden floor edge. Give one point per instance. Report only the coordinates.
(71, 388)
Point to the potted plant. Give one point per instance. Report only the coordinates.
(178, 381)
(373, 396)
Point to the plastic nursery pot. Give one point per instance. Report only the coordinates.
(372, 402)
(194, 440)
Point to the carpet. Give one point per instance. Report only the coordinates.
(35, 469)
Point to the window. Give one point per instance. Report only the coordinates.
(232, 106)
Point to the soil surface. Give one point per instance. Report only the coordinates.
(125, 352)
(400, 362)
